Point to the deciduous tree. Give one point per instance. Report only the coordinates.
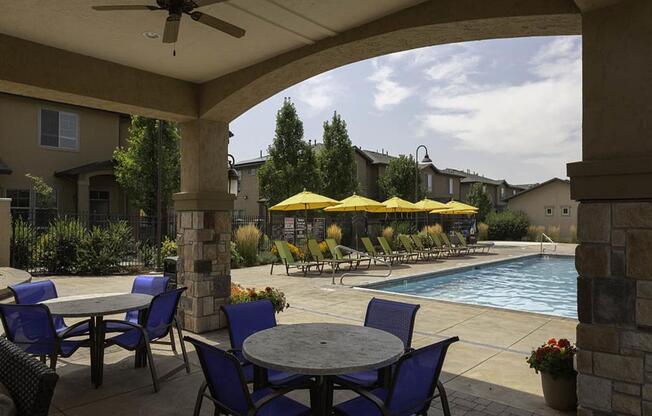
(398, 179)
(479, 199)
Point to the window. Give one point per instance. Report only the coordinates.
(20, 203)
(450, 186)
(59, 129)
(429, 183)
(513, 191)
(565, 211)
(550, 211)
(28, 206)
(502, 192)
(252, 171)
(484, 189)
(98, 207)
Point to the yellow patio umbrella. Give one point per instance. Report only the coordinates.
(430, 205)
(396, 204)
(356, 203)
(456, 208)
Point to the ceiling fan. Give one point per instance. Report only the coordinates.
(175, 9)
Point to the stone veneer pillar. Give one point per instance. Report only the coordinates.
(203, 214)
(614, 186)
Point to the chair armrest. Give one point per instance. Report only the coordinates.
(65, 333)
(366, 394)
(118, 321)
(266, 399)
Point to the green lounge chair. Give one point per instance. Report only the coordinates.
(371, 250)
(475, 247)
(418, 243)
(337, 254)
(318, 256)
(288, 260)
(387, 249)
(411, 250)
(441, 247)
(458, 249)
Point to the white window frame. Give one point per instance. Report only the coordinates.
(252, 171)
(567, 207)
(451, 186)
(429, 182)
(59, 136)
(552, 211)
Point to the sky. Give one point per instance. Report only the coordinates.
(507, 109)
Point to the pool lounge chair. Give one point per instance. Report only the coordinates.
(458, 249)
(387, 249)
(475, 247)
(418, 243)
(442, 247)
(318, 256)
(337, 254)
(287, 259)
(406, 242)
(371, 250)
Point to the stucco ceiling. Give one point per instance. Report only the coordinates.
(273, 27)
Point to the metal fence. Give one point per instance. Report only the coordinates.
(54, 247)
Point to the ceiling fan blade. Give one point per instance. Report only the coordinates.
(171, 31)
(201, 3)
(218, 24)
(125, 7)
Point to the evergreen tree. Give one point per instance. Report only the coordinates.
(337, 160)
(137, 164)
(292, 165)
(398, 179)
(479, 199)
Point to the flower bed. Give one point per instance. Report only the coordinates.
(240, 294)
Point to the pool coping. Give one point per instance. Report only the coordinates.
(371, 287)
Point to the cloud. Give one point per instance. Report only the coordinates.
(388, 93)
(454, 69)
(320, 93)
(538, 120)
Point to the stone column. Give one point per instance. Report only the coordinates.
(203, 214)
(614, 186)
(5, 231)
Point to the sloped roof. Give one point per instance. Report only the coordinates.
(474, 177)
(4, 169)
(537, 186)
(251, 162)
(90, 167)
(378, 158)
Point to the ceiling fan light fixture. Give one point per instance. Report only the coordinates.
(151, 35)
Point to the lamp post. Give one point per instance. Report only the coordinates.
(426, 159)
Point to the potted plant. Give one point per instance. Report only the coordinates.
(554, 360)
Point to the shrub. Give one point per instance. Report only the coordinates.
(168, 248)
(59, 246)
(247, 238)
(334, 231)
(553, 232)
(240, 294)
(236, 258)
(147, 253)
(388, 233)
(22, 250)
(573, 233)
(103, 249)
(507, 225)
(534, 231)
(266, 257)
(432, 229)
(483, 231)
(323, 247)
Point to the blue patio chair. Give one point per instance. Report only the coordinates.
(159, 320)
(397, 318)
(37, 292)
(411, 389)
(31, 328)
(245, 319)
(228, 390)
(147, 285)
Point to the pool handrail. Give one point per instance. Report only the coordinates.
(541, 237)
(361, 254)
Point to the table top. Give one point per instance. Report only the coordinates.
(10, 277)
(97, 304)
(322, 348)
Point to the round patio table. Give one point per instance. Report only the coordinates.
(96, 306)
(11, 277)
(323, 350)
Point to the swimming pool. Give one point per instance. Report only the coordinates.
(542, 284)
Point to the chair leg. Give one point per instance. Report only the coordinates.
(53, 361)
(272, 269)
(443, 398)
(183, 347)
(152, 367)
(172, 343)
(200, 399)
(42, 358)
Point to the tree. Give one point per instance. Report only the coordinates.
(137, 164)
(292, 165)
(398, 179)
(479, 199)
(337, 160)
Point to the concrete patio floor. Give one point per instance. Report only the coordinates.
(485, 373)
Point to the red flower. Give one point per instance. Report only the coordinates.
(564, 343)
(552, 341)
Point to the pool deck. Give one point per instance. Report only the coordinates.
(485, 373)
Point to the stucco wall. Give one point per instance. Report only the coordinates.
(20, 149)
(248, 194)
(556, 195)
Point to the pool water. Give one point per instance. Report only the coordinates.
(543, 284)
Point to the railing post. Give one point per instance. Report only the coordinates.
(5, 231)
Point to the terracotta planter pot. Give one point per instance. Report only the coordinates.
(560, 394)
